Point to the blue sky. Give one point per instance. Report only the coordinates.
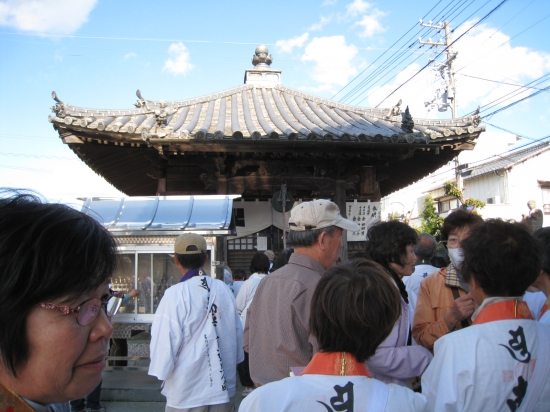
(97, 53)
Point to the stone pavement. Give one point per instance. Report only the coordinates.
(135, 391)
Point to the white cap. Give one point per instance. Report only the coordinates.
(318, 214)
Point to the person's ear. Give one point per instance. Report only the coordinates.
(178, 265)
(321, 240)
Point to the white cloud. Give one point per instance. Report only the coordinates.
(476, 56)
(129, 55)
(333, 60)
(46, 16)
(178, 63)
(357, 7)
(371, 24)
(286, 46)
(322, 23)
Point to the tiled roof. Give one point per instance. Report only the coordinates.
(254, 112)
(505, 161)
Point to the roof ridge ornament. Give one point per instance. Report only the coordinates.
(141, 103)
(395, 110)
(60, 108)
(262, 75)
(407, 122)
(261, 57)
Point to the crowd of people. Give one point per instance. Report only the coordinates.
(390, 331)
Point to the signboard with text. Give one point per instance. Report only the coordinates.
(364, 214)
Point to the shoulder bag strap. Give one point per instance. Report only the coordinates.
(456, 295)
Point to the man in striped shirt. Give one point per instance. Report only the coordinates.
(276, 333)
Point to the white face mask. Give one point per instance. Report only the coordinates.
(456, 256)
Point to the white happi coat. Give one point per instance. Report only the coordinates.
(196, 343)
(486, 367)
(324, 393)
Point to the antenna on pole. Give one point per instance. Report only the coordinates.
(445, 69)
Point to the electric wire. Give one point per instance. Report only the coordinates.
(496, 81)
(383, 68)
(446, 48)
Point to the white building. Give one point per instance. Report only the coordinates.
(505, 181)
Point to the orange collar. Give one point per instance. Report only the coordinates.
(545, 307)
(508, 309)
(335, 363)
(10, 401)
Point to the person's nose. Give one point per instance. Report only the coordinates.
(101, 327)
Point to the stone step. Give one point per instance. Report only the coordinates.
(130, 386)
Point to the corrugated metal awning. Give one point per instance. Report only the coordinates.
(163, 214)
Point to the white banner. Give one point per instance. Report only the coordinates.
(252, 217)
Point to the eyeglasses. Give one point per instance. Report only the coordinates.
(88, 310)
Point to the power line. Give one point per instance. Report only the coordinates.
(516, 102)
(36, 156)
(507, 41)
(508, 131)
(439, 54)
(388, 62)
(388, 72)
(496, 81)
(67, 36)
(28, 169)
(511, 94)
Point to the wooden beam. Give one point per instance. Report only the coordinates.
(340, 200)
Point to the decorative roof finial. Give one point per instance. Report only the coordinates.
(262, 58)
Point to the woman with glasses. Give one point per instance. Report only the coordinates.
(444, 303)
(55, 303)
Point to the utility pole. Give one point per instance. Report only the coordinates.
(450, 92)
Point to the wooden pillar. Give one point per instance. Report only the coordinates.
(161, 186)
(340, 200)
(222, 184)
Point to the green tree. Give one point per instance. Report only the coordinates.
(431, 221)
(452, 190)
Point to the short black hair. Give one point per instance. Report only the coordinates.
(354, 308)
(425, 247)
(543, 235)
(387, 241)
(47, 251)
(283, 258)
(239, 274)
(504, 258)
(457, 220)
(260, 263)
(191, 261)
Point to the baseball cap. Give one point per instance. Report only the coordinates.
(270, 254)
(189, 239)
(318, 214)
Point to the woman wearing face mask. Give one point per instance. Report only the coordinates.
(444, 303)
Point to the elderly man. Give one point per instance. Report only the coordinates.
(501, 362)
(196, 338)
(424, 251)
(277, 332)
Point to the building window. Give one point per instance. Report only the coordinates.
(444, 206)
(546, 200)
